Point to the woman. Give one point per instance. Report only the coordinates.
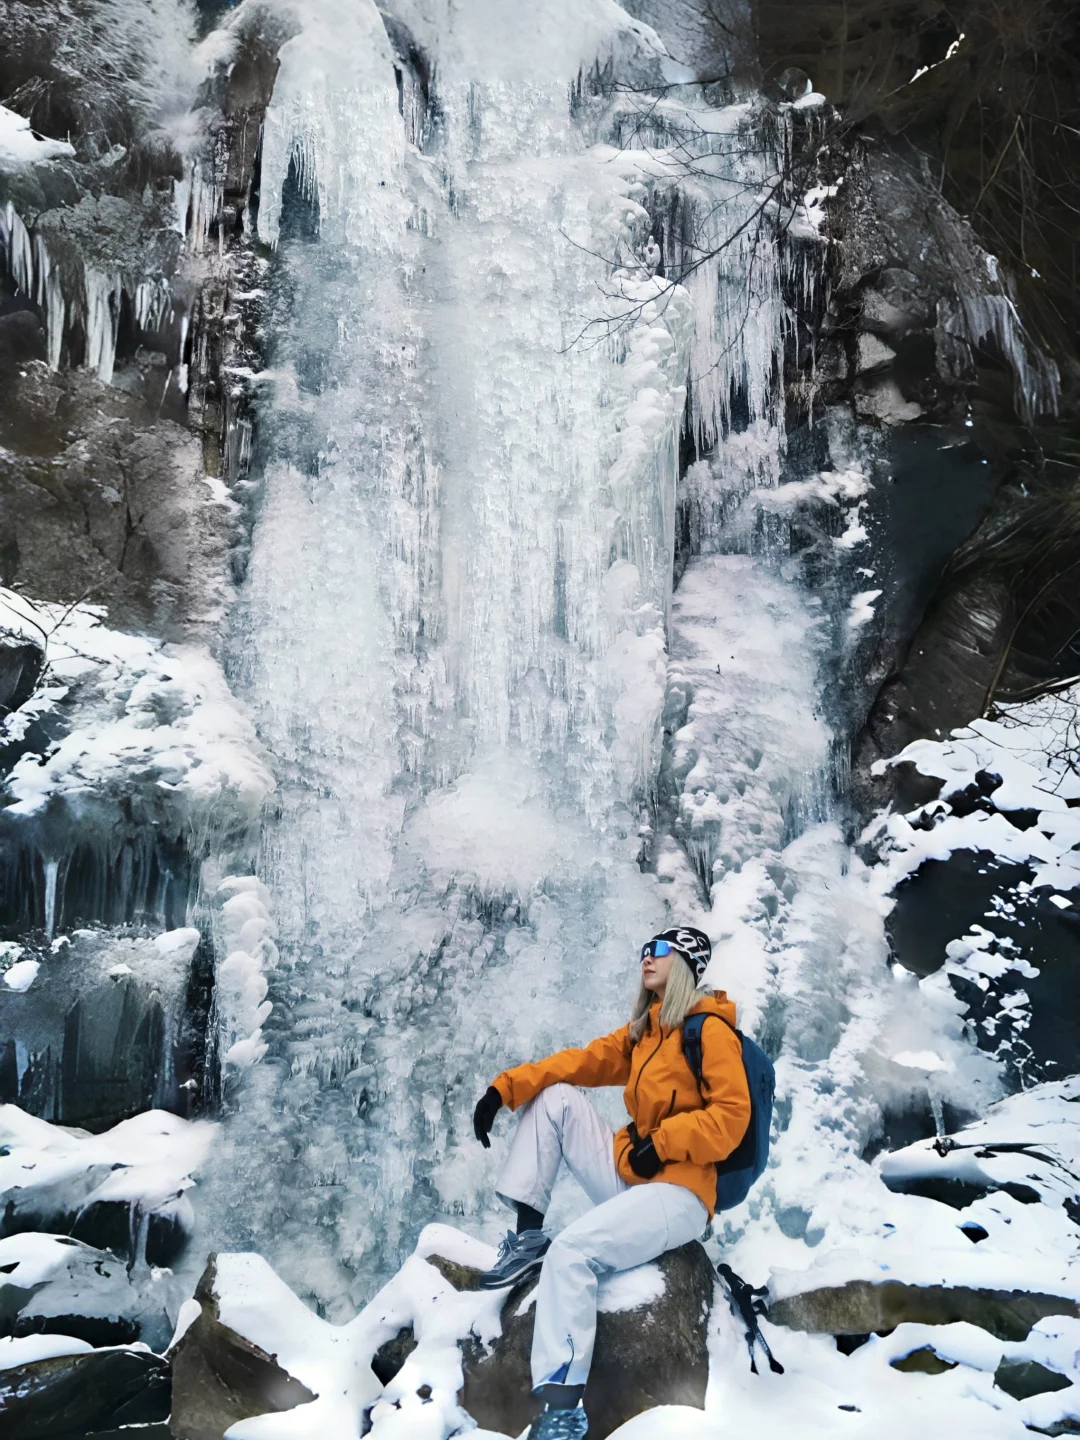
(652, 1184)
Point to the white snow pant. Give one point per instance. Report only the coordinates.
(630, 1224)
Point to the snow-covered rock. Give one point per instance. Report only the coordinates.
(57, 1388)
(19, 145)
(58, 1285)
(651, 1346)
(125, 1189)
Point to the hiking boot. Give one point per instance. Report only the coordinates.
(520, 1258)
(559, 1425)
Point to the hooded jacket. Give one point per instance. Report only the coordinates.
(690, 1128)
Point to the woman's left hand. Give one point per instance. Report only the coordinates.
(643, 1159)
(488, 1106)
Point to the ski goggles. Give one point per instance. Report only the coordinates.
(657, 949)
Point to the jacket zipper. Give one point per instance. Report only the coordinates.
(645, 1062)
(671, 1107)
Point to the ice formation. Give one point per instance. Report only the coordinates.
(461, 645)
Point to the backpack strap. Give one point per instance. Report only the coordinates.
(691, 1045)
(692, 1027)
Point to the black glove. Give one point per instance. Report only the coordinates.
(488, 1106)
(644, 1161)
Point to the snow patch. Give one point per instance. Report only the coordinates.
(19, 145)
(136, 713)
(20, 976)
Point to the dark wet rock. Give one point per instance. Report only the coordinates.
(22, 338)
(924, 1361)
(83, 1394)
(944, 899)
(243, 90)
(1024, 1378)
(649, 1356)
(921, 470)
(21, 664)
(391, 1356)
(1002, 625)
(862, 1307)
(155, 1431)
(114, 1025)
(219, 1377)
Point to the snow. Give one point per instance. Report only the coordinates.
(20, 146)
(20, 976)
(26, 1349)
(130, 706)
(48, 1280)
(862, 608)
(148, 1163)
(1029, 747)
(926, 1060)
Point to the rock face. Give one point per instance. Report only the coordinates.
(653, 1354)
(862, 1308)
(114, 1026)
(83, 1394)
(220, 1378)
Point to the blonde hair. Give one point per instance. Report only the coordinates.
(681, 994)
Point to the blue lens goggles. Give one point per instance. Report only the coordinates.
(657, 948)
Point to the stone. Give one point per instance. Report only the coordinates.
(219, 1377)
(1024, 1378)
(896, 303)
(21, 664)
(885, 402)
(924, 1361)
(872, 355)
(647, 1356)
(84, 1394)
(863, 1307)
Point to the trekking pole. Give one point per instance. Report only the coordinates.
(749, 1303)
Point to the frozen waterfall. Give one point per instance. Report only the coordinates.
(505, 751)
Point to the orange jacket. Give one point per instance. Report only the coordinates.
(690, 1128)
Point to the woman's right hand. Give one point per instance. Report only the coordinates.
(488, 1106)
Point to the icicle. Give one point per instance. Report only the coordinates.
(151, 304)
(103, 293)
(19, 252)
(51, 868)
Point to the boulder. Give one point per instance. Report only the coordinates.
(54, 1285)
(863, 1307)
(924, 1361)
(83, 1394)
(1024, 1378)
(219, 1377)
(652, 1352)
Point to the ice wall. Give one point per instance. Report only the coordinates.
(454, 627)
(459, 635)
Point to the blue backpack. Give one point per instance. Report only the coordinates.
(744, 1165)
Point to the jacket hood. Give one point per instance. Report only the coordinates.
(715, 1004)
